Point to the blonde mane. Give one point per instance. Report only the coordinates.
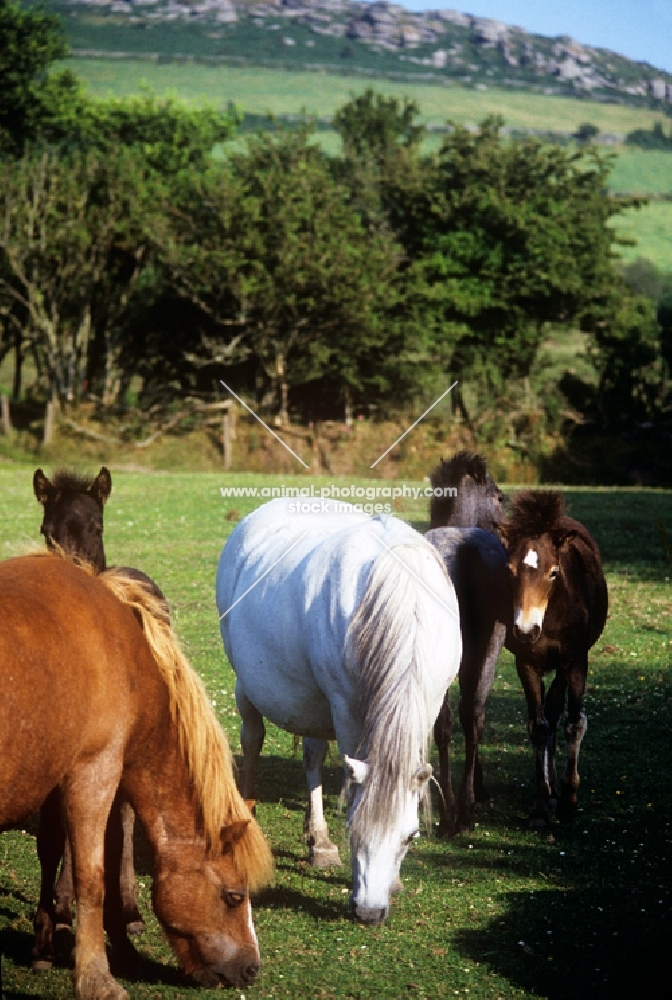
(203, 743)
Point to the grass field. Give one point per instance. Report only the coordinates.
(259, 91)
(650, 229)
(582, 911)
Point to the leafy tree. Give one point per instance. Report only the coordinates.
(626, 353)
(268, 248)
(168, 135)
(381, 144)
(505, 238)
(372, 126)
(586, 132)
(30, 41)
(71, 252)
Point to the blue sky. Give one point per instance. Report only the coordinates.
(639, 29)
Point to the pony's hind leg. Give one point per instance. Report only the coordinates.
(252, 732)
(443, 731)
(50, 843)
(575, 728)
(553, 708)
(323, 853)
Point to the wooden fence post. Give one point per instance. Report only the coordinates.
(5, 418)
(227, 437)
(49, 414)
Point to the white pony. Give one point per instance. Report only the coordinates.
(342, 626)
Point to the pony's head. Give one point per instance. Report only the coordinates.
(535, 533)
(73, 513)
(470, 496)
(213, 936)
(376, 859)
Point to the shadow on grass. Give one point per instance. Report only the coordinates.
(282, 898)
(575, 944)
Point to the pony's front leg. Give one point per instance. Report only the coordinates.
(323, 853)
(129, 887)
(87, 799)
(575, 728)
(555, 703)
(50, 843)
(540, 733)
(252, 732)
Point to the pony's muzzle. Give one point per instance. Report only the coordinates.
(234, 975)
(527, 635)
(370, 915)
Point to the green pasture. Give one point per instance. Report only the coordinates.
(581, 911)
(650, 230)
(259, 90)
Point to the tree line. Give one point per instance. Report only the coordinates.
(139, 239)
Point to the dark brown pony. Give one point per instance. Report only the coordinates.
(559, 610)
(97, 697)
(72, 522)
(471, 498)
(463, 524)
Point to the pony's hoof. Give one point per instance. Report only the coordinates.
(64, 945)
(42, 964)
(135, 927)
(325, 857)
(567, 806)
(96, 983)
(396, 887)
(539, 818)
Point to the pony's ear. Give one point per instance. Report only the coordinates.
(229, 835)
(421, 777)
(101, 487)
(356, 770)
(42, 488)
(562, 536)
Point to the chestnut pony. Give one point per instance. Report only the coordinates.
(97, 697)
(559, 609)
(72, 521)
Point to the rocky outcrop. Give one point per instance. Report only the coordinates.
(448, 42)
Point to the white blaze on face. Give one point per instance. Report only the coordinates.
(531, 559)
(531, 616)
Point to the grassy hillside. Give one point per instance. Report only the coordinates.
(259, 91)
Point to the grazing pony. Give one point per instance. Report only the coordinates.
(97, 697)
(559, 610)
(72, 522)
(342, 626)
(463, 526)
